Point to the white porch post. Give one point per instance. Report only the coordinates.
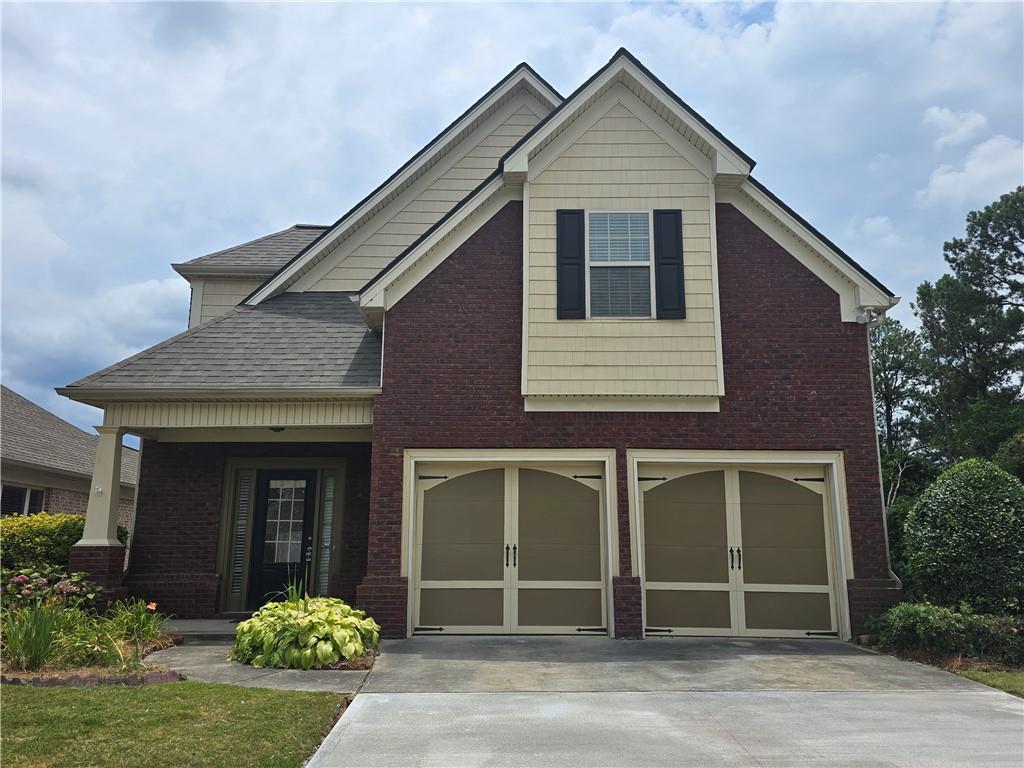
(105, 492)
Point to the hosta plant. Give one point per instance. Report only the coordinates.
(309, 633)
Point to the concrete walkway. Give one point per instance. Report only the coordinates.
(667, 702)
(208, 663)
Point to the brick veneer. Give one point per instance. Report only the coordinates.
(174, 547)
(796, 377)
(62, 501)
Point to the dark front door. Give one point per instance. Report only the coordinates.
(282, 544)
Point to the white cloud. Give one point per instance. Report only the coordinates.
(954, 127)
(990, 169)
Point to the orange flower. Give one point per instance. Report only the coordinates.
(151, 606)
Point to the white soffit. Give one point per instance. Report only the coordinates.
(521, 77)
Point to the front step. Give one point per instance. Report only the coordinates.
(220, 631)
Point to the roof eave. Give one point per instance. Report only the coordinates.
(99, 396)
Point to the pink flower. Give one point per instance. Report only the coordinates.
(20, 579)
(26, 592)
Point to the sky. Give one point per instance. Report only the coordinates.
(138, 135)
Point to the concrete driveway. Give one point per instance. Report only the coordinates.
(461, 701)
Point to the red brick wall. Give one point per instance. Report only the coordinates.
(796, 377)
(61, 501)
(173, 558)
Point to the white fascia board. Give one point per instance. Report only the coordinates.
(413, 267)
(100, 395)
(327, 241)
(855, 291)
(727, 160)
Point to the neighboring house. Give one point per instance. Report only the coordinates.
(47, 463)
(569, 369)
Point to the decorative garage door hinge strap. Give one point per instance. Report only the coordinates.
(652, 630)
(591, 629)
(433, 477)
(808, 479)
(586, 477)
(428, 629)
(650, 479)
(824, 634)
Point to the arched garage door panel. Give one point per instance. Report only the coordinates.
(736, 551)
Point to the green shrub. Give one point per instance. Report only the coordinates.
(1010, 455)
(44, 539)
(895, 523)
(965, 539)
(48, 585)
(940, 631)
(136, 622)
(311, 633)
(28, 636)
(84, 639)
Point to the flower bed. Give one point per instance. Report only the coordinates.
(50, 626)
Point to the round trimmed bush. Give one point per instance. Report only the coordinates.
(964, 539)
(35, 541)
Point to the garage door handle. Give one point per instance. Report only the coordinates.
(739, 558)
(514, 548)
(730, 559)
(506, 555)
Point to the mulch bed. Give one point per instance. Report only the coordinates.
(73, 678)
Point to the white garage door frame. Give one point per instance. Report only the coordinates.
(835, 479)
(491, 457)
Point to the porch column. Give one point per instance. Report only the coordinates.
(99, 552)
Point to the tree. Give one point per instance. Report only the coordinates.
(991, 256)
(896, 368)
(972, 363)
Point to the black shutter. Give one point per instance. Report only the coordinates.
(669, 289)
(570, 264)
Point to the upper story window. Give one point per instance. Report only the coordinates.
(619, 264)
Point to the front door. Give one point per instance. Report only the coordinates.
(282, 545)
(509, 549)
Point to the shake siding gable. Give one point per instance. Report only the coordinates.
(621, 164)
(441, 195)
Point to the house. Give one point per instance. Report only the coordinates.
(46, 463)
(570, 369)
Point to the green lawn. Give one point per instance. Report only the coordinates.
(1011, 682)
(177, 724)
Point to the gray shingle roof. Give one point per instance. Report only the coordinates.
(313, 340)
(30, 434)
(265, 254)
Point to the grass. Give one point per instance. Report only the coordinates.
(158, 726)
(1009, 681)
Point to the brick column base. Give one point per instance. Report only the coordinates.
(105, 566)
(628, 608)
(385, 598)
(871, 597)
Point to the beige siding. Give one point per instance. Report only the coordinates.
(218, 295)
(425, 209)
(253, 413)
(619, 163)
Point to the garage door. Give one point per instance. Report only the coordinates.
(509, 549)
(737, 551)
